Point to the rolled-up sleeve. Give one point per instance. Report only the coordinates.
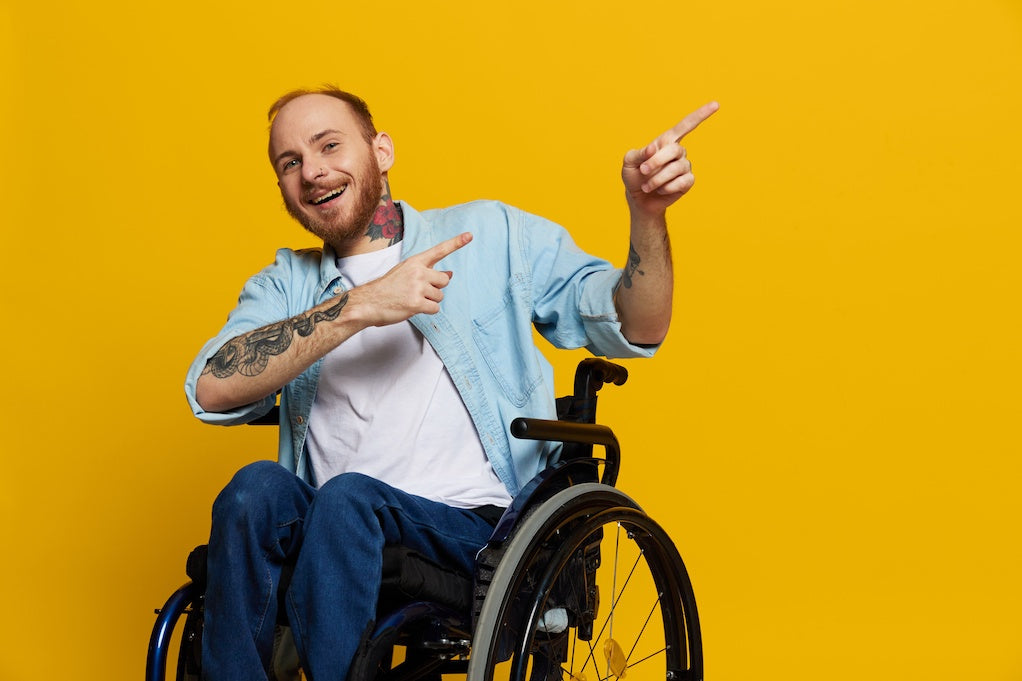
(573, 294)
(261, 302)
(600, 319)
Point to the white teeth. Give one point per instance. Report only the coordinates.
(328, 196)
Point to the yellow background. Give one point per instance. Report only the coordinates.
(830, 434)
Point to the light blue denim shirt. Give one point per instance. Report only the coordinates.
(519, 270)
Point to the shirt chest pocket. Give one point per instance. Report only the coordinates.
(503, 336)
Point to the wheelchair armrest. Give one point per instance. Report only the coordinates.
(580, 433)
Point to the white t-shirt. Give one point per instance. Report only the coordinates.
(386, 407)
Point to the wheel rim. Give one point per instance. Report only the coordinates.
(625, 634)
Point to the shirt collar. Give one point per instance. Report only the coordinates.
(416, 239)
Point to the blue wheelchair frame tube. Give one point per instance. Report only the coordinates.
(159, 642)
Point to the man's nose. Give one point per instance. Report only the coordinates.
(312, 172)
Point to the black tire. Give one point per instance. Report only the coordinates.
(590, 525)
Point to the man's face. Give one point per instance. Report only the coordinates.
(328, 174)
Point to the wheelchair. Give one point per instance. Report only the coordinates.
(576, 582)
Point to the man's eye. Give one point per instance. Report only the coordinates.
(293, 163)
(330, 145)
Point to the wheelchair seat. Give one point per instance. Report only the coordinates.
(533, 608)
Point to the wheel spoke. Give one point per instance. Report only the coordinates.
(613, 588)
(638, 637)
(614, 603)
(574, 644)
(651, 655)
(590, 657)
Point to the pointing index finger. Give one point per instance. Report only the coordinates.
(443, 249)
(692, 121)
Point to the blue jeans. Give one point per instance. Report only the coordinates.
(267, 518)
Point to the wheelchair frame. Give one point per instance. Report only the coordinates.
(546, 548)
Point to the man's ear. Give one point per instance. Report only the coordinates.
(383, 147)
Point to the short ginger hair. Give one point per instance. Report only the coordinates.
(356, 103)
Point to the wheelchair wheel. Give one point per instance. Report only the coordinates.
(543, 617)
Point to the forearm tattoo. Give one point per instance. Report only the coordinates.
(249, 354)
(631, 268)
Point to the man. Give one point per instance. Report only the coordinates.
(401, 350)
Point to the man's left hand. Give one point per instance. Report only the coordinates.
(660, 173)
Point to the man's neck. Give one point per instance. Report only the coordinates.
(388, 221)
(386, 228)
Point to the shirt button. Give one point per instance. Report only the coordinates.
(300, 420)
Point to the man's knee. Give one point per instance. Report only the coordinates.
(351, 490)
(252, 490)
(366, 505)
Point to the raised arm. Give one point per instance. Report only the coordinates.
(259, 363)
(654, 177)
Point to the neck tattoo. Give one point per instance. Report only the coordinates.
(388, 221)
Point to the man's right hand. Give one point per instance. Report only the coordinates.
(261, 362)
(412, 287)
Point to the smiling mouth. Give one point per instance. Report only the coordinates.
(329, 196)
